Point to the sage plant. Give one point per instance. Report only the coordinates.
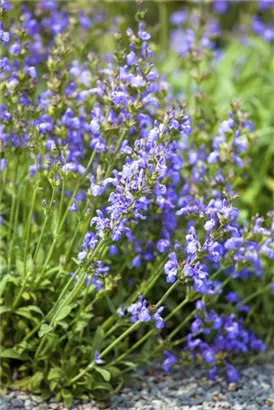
(121, 239)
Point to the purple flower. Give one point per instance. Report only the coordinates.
(171, 268)
(5, 6)
(212, 373)
(143, 35)
(196, 325)
(220, 6)
(233, 243)
(232, 373)
(15, 49)
(199, 305)
(3, 164)
(97, 358)
(101, 222)
(119, 97)
(136, 262)
(85, 22)
(90, 241)
(73, 207)
(232, 297)
(121, 310)
(159, 321)
(131, 58)
(82, 256)
(169, 361)
(209, 225)
(31, 71)
(144, 315)
(4, 35)
(208, 355)
(265, 4)
(162, 245)
(178, 18)
(113, 250)
(139, 311)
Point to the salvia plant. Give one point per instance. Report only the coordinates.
(120, 232)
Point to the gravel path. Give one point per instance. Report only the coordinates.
(184, 389)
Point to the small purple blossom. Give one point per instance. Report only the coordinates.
(169, 361)
(171, 268)
(142, 34)
(97, 358)
(232, 373)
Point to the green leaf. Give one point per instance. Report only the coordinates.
(35, 309)
(68, 397)
(98, 339)
(37, 379)
(11, 354)
(20, 267)
(26, 296)
(114, 371)
(40, 257)
(64, 312)
(6, 279)
(4, 309)
(104, 373)
(103, 386)
(53, 385)
(76, 261)
(111, 306)
(80, 325)
(26, 312)
(29, 264)
(44, 329)
(55, 373)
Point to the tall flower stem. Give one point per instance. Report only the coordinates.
(44, 226)
(61, 220)
(29, 225)
(105, 351)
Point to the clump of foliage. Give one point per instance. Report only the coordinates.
(120, 237)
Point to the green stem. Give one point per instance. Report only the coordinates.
(75, 291)
(43, 227)
(62, 294)
(76, 189)
(172, 287)
(62, 221)
(14, 229)
(29, 225)
(13, 203)
(19, 294)
(3, 179)
(76, 233)
(181, 325)
(110, 165)
(163, 17)
(105, 351)
(254, 294)
(137, 344)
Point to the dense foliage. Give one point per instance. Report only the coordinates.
(127, 192)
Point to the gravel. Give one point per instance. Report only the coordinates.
(181, 389)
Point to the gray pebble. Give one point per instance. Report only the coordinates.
(22, 397)
(54, 405)
(29, 404)
(181, 389)
(16, 403)
(36, 399)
